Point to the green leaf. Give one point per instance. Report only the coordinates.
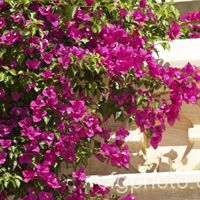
(47, 119)
(97, 69)
(2, 52)
(57, 135)
(42, 144)
(33, 30)
(93, 87)
(11, 155)
(24, 1)
(157, 103)
(70, 11)
(13, 72)
(84, 40)
(8, 79)
(6, 68)
(2, 76)
(18, 177)
(119, 116)
(139, 100)
(6, 183)
(150, 132)
(20, 58)
(96, 28)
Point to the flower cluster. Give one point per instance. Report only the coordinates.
(190, 23)
(64, 71)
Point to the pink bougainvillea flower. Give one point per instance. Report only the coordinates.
(2, 23)
(33, 64)
(82, 15)
(45, 11)
(5, 143)
(129, 197)
(174, 30)
(47, 74)
(105, 134)
(118, 156)
(25, 123)
(89, 2)
(79, 174)
(13, 64)
(67, 150)
(156, 136)
(50, 92)
(38, 115)
(49, 157)
(151, 14)
(190, 16)
(121, 134)
(4, 130)
(48, 137)
(16, 95)
(47, 57)
(99, 189)
(2, 157)
(143, 3)
(123, 12)
(155, 140)
(28, 175)
(190, 69)
(54, 19)
(2, 3)
(42, 169)
(45, 196)
(25, 158)
(10, 38)
(18, 18)
(52, 181)
(31, 132)
(76, 110)
(90, 120)
(38, 103)
(34, 6)
(32, 146)
(60, 107)
(31, 195)
(65, 61)
(139, 15)
(53, 104)
(194, 35)
(121, 158)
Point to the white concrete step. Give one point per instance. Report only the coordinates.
(181, 52)
(142, 179)
(156, 186)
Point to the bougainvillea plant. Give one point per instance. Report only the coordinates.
(65, 68)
